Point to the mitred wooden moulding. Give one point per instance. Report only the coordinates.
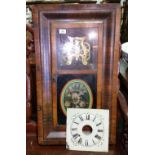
(74, 43)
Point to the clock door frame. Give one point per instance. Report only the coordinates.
(56, 71)
(43, 17)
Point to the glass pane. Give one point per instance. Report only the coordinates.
(75, 91)
(77, 48)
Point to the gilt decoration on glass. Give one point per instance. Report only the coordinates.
(77, 48)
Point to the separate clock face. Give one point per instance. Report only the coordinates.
(76, 94)
(87, 129)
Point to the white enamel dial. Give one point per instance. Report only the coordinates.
(87, 129)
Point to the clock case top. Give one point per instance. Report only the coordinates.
(43, 17)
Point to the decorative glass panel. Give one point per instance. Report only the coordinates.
(77, 48)
(75, 91)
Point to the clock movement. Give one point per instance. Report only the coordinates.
(77, 52)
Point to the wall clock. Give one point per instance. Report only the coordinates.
(87, 129)
(77, 52)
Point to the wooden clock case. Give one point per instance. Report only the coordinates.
(47, 18)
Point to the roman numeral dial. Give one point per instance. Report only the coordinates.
(87, 129)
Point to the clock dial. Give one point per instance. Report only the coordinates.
(76, 94)
(87, 129)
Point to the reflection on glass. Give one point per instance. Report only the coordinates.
(92, 35)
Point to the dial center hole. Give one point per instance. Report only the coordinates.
(87, 129)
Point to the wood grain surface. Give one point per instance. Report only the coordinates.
(44, 15)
